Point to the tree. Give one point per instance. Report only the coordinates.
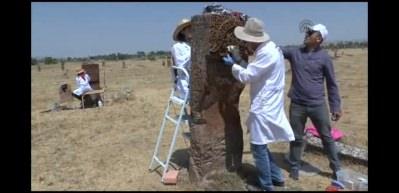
(151, 57)
(140, 54)
(151, 53)
(62, 65)
(33, 61)
(50, 60)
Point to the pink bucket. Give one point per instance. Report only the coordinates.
(336, 134)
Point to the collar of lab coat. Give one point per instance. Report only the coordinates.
(261, 46)
(183, 43)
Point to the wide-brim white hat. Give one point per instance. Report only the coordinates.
(183, 24)
(253, 31)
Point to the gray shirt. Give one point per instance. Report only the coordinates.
(309, 69)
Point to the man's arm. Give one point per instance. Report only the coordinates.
(255, 69)
(332, 88)
(77, 81)
(286, 52)
(235, 54)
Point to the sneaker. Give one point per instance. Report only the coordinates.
(337, 173)
(250, 187)
(294, 174)
(337, 184)
(277, 183)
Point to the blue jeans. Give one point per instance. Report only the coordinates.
(267, 168)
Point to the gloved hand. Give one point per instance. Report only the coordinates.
(235, 53)
(228, 60)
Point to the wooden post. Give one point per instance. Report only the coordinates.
(123, 64)
(216, 132)
(38, 67)
(168, 60)
(62, 65)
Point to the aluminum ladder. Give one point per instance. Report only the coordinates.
(173, 100)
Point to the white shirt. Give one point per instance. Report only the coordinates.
(82, 84)
(267, 121)
(181, 54)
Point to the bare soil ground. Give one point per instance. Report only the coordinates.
(110, 148)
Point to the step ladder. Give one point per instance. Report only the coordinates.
(173, 100)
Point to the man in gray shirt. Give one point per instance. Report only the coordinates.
(310, 65)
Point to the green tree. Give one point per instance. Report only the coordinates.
(33, 61)
(151, 57)
(50, 60)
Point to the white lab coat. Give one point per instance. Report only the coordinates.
(181, 54)
(267, 121)
(83, 85)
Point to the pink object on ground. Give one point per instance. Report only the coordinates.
(336, 134)
(171, 177)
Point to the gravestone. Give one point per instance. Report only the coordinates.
(65, 93)
(92, 69)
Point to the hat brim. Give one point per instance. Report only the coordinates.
(80, 71)
(179, 29)
(240, 34)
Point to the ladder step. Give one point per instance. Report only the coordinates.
(160, 162)
(184, 117)
(177, 100)
(171, 119)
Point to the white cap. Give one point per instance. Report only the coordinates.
(322, 29)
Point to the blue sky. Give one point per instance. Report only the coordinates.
(83, 29)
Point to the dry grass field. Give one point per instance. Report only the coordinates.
(110, 148)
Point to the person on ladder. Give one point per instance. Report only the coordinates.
(181, 56)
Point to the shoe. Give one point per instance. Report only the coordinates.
(338, 184)
(337, 173)
(277, 183)
(250, 187)
(294, 174)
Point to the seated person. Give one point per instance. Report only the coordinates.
(82, 82)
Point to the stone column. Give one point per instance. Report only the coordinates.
(217, 137)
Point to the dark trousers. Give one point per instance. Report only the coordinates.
(321, 120)
(77, 96)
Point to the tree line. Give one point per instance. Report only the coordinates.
(342, 45)
(153, 55)
(140, 55)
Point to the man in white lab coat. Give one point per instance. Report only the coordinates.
(83, 83)
(181, 55)
(267, 122)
